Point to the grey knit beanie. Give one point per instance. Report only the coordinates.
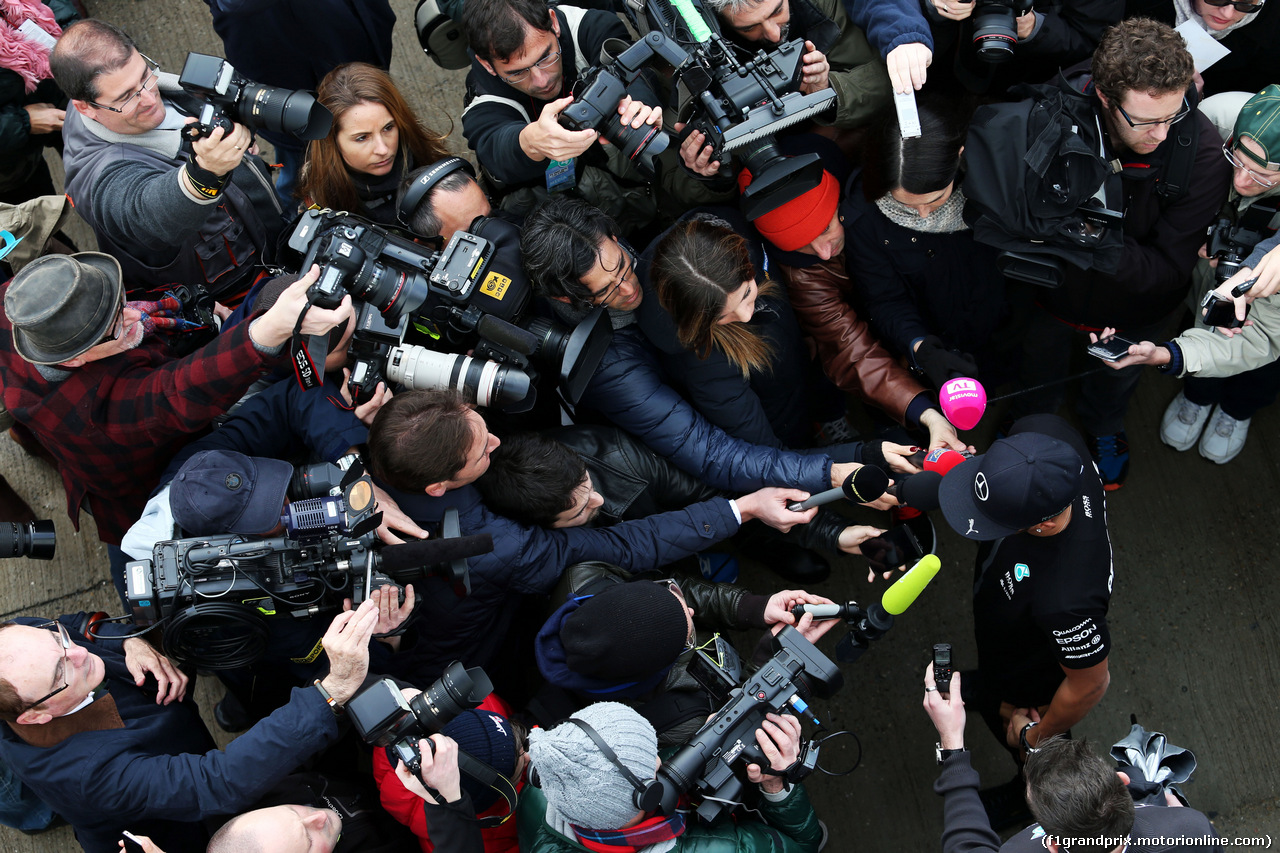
(579, 781)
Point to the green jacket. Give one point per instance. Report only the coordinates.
(792, 827)
(858, 74)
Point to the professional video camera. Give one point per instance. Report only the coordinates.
(472, 295)
(736, 103)
(212, 593)
(1233, 236)
(796, 672)
(34, 539)
(230, 97)
(995, 27)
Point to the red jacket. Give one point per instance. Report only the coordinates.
(406, 807)
(113, 425)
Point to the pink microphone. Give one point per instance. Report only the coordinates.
(963, 401)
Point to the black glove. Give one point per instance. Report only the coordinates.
(940, 364)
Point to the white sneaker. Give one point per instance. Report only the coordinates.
(1224, 439)
(1183, 422)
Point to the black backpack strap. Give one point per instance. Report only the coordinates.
(1185, 136)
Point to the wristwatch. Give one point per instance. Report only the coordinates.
(943, 754)
(1022, 737)
(337, 709)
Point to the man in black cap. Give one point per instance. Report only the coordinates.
(1042, 582)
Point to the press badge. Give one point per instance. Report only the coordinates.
(560, 175)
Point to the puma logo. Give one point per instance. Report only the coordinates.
(971, 529)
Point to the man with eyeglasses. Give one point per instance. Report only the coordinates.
(1141, 80)
(621, 639)
(527, 58)
(91, 735)
(171, 210)
(1231, 376)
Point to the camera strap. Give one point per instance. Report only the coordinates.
(306, 355)
(486, 775)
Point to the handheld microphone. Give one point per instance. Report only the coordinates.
(963, 401)
(942, 460)
(906, 589)
(878, 618)
(919, 491)
(864, 485)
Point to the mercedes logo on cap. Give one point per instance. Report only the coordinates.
(980, 486)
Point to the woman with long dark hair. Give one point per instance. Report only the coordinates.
(375, 141)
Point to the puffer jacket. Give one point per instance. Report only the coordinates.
(853, 359)
(631, 391)
(792, 827)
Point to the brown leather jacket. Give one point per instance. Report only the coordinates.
(851, 356)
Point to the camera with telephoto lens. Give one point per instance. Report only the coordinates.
(431, 305)
(995, 27)
(34, 539)
(796, 672)
(384, 717)
(1233, 237)
(229, 98)
(595, 107)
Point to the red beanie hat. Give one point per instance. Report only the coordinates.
(798, 222)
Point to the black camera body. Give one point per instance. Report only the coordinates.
(1231, 240)
(796, 672)
(419, 308)
(995, 27)
(384, 717)
(229, 97)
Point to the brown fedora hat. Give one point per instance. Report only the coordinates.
(61, 306)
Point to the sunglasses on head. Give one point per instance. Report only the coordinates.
(1246, 8)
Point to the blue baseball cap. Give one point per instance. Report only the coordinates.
(221, 491)
(1019, 482)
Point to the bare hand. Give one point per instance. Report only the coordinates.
(547, 139)
(907, 66)
(816, 70)
(778, 609)
(953, 10)
(696, 155)
(346, 644)
(1017, 721)
(779, 739)
(897, 457)
(393, 518)
(148, 846)
(276, 326)
(1144, 352)
(440, 771)
(391, 612)
(45, 118)
(365, 411)
(811, 629)
(941, 432)
(770, 506)
(1026, 25)
(220, 152)
(947, 714)
(636, 113)
(140, 658)
(852, 537)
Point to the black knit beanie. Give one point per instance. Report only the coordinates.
(628, 631)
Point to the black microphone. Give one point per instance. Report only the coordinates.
(864, 485)
(919, 491)
(430, 552)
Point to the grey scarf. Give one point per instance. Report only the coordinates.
(945, 220)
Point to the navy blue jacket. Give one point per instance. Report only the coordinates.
(162, 774)
(530, 560)
(631, 390)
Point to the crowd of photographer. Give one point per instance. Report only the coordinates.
(434, 458)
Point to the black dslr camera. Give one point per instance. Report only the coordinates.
(796, 672)
(995, 27)
(1233, 237)
(383, 717)
(431, 304)
(34, 539)
(229, 98)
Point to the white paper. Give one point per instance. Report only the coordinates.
(908, 117)
(31, 32)
(1205, 49)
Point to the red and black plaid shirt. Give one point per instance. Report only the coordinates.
(113, 425)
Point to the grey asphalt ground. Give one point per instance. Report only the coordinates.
(1193, 616)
